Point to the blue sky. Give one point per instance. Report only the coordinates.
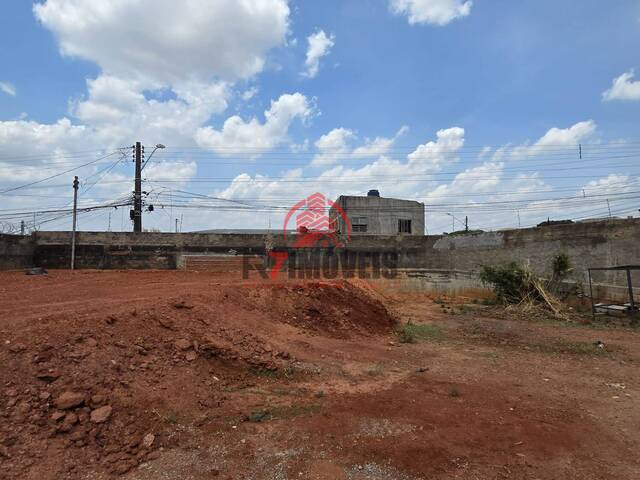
(529, 81)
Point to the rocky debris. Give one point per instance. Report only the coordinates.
(61, 394)
(17, 348)
(191, 356)
(101, 414)
(69, 400)
(48, 376)
(183, 344)
(182, 305)
(57, 416)
(166, 323)
(148, 440)
(70, 419)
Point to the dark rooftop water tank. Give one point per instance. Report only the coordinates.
(373, 193)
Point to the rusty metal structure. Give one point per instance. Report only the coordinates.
(630, 308)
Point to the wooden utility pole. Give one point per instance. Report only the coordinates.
(73, 233)
(137, 199)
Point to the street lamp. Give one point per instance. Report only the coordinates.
(158, 146)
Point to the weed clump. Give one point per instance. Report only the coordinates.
(516, 284)
(412, 333)
(511, 282)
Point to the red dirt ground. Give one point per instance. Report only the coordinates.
(188, 375)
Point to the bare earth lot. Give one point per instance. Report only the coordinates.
(187, 375)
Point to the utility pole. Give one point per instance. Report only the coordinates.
(176, 225)
(466, 223)
(73, 233)
(137, 194)
(519, 225)
(21, 227)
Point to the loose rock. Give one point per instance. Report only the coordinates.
(69, 400)
(102, 414)
(148, 440)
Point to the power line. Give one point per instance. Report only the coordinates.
(56, 175)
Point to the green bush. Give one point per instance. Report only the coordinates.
(561, 265)
(511, 282)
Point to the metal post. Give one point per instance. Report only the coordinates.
(73, 233)
(593, 308)
(631, 301)
(137, 199)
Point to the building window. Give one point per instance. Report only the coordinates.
(404, 226)
(359, 224)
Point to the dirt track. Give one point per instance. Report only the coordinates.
(186, 375)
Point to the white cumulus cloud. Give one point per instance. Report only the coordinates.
(166, 41)
(166, 68)
(319, 46)
(623, 88)
(432, 12)
(254, 137)
(336, 145)
(554, 140)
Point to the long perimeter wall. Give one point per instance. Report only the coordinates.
(591, 244)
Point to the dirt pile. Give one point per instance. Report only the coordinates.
(336, 309)
(95, 390)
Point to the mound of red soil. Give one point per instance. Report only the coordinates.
(93, 387)
(337, 309)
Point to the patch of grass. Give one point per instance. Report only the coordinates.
(283, 412)
(413, 333)
(285, 372)
(264, 373)
(490, 301)
(567, 347)
(375, 370)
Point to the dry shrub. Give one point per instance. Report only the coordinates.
(516, 284)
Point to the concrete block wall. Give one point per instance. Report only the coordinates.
(16, 251)
(597, 244)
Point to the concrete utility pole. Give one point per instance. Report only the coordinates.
(137, 199)
(21, 227)
(73, 233)
(466, 223)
